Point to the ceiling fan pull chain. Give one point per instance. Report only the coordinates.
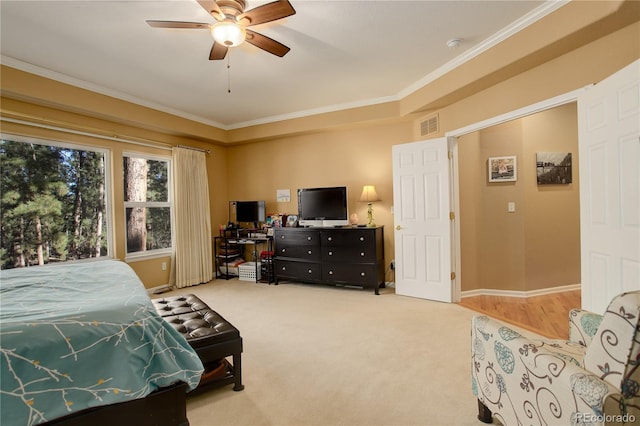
(229, 73)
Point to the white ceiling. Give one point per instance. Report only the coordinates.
(343, 53)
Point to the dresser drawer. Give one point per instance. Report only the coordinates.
(354, 238)
(350, 273)
(348, 254)
(296, 236)
(303, 252)
(296, 270)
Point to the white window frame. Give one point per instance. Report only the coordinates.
(150, 254)
(108, 190)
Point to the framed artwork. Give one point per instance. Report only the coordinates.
(283, 195)
(553, 168)
(292, 220)
(503, 169)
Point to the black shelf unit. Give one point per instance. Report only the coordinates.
(267, 273)
(229, 247)
(225, 250)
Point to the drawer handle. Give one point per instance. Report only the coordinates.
(282, 237)
(330, 253)
(361, 238)
(330, 272)
(362, 274)
(284, 268)
(309, 238)
(310, 271)
(309, 252)
(329, 239)
(284, 250)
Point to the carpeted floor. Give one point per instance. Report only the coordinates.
(320, 355)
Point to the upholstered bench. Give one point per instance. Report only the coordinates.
(213, 338)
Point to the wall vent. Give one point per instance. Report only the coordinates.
(429, 126)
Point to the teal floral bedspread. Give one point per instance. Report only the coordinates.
(82, 335)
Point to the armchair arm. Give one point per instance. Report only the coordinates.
(525, 379)
(583, 326)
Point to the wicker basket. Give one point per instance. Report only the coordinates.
(247, 271)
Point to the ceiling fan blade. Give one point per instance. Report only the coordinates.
(266, 43)
(218, 51)
(266, 13)
(178, 24)
(212, 8)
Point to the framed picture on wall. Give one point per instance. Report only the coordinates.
(503, 169)
(553, 168)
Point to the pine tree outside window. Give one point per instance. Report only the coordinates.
(54, 203)
(147, 201)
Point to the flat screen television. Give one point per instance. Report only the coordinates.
(248, 211)
(323, 206)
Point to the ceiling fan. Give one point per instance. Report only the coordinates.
(232, 22)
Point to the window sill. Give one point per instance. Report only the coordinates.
(150, 256)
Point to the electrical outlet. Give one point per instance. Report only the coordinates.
(164, 266)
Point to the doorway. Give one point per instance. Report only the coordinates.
(609, 131)
(602, 264)
(520, 236)
(453, 137)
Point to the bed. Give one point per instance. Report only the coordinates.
(77, 338)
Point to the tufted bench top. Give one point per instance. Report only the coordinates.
(195, 320)
(176, 305)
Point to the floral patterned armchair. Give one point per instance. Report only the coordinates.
(592, 378)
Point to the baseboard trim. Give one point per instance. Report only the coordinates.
(159, 289)
(522, 294)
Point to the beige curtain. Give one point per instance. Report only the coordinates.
(192, 262)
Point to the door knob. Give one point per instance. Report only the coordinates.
(398, 228)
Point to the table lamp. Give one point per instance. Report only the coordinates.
(369, 195)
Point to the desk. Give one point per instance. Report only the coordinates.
(228, 249)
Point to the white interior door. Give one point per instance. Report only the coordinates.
(421, 220)
(609, 159)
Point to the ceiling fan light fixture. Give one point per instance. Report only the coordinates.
(228, 33)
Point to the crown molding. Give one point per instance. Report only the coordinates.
(517, 26)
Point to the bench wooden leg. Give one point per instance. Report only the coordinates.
(237, 372)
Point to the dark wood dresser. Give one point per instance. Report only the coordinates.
(339, 256)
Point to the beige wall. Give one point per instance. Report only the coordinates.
(353, 158)
(538, 245)
(551, 212)
(318, 152)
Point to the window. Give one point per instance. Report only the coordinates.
(54, 203)
(147, 202)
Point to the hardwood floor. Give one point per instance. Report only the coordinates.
(546, 315)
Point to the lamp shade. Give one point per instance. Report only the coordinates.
(369, 194)
(228, 33)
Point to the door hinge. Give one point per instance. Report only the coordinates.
(452, 215)
(449, 155)
(453, 276)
